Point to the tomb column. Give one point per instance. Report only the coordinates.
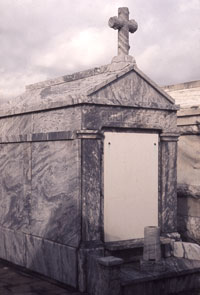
(91, 153)
(168, 176)
(91, 201)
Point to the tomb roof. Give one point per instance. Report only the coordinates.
(79, 88)
(120, 83)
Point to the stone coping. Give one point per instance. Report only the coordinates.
(131, 273)
(181, 86)
(130, 244)
(187, 112)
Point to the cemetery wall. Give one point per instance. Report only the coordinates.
(188, 96)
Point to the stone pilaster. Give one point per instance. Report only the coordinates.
(168, 176)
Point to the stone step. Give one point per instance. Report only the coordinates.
(111, 276)
(179, 275)
(132, 250)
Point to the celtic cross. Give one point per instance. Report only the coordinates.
(124, 26)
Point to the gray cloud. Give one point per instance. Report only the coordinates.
(49, 38)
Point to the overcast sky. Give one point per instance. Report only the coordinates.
(42, 39)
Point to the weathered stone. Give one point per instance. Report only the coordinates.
(124, 26)
(187, 95)
(189, 227)
(104, 275)
(152, 248)
(188, 184)
(186, 250)
(152, 266)
(178, 250)
(110, 261)
(192, 251)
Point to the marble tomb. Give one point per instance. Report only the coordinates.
(87, 161)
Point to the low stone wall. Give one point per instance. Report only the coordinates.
(188, 168)
(189, 186)
(189, 218)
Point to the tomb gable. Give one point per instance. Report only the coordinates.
(134, 89)
(123, 85)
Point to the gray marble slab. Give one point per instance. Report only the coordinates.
(94, 117)
(2, 243)
(168, 180)
(189, 227)
(17, 125)
(91, 190)
(51, 259)
(15, 185)
(67, 119)
(12, 246)
(55, 202)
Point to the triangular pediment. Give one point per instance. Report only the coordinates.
(133, 89)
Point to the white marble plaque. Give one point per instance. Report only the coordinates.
(130, 184)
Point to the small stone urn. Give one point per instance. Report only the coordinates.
(152, 247)
(152, 250)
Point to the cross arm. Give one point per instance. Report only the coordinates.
(115, 23)
(132, 26)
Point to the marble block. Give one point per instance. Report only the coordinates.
(186, 250)
(12, 126)
(192, 251)
(178, 250)
(152, 246)
(55, 202)
(96, 117)
(2, 243)
(52, 259)
(189, 227)
(12, 246)
(57, 120)
(15, 185)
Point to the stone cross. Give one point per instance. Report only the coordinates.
(124, 26)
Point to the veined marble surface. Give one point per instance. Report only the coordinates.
(12, 246)
(55, 200)
(40, 191)
(45, 257)
(15, 185)
(168, 180)
(94, 117)
(40, 213)
(68, 119)
(51, 259)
